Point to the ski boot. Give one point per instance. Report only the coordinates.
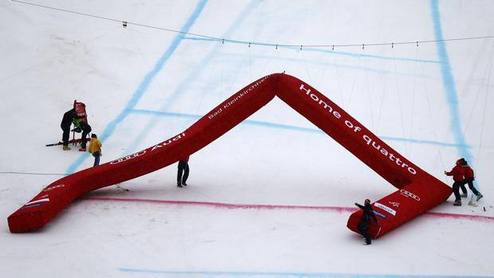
(479, 197)
(82, 149)
(66, 148)
(457, 203)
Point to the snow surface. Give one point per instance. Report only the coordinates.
(271, 197)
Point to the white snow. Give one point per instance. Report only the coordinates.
(425, 101)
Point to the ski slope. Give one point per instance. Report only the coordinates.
(271, 197)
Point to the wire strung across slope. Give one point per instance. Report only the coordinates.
(301, 46)
(30, 173)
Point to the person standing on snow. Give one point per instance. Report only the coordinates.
(469, 178)
(458, 177)
(76, 116)
(183, 171)
(65, 125)
(95, 148)
(367, 215)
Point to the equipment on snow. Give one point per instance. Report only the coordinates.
(73, 142)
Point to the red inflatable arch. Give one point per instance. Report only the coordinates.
(417, 191)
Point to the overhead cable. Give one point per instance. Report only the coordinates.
(31, 173)
(300, 46)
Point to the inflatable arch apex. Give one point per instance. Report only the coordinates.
(417, 191)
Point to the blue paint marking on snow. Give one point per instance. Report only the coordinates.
(426, 142)
(449, 84)
(146, 82)
(327, 51)
(211, 274)
(193, 74)
(287, 127)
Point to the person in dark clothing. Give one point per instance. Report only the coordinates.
(367, 216)
(458, 178)
(469, 178)
(80, 122)
(183, 171)
(463, 189)
(65, 125)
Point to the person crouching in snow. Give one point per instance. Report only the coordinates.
(469, 178)
(95, 148)
(363, 225)
(77, 116)
(458, 178)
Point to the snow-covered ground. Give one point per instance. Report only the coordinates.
(270, 198)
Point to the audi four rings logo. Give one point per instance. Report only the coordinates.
(128, 157)
(409, 194)
(55, 186)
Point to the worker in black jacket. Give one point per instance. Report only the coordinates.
(367, 215)
(183, 171)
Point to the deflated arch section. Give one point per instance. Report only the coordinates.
(417, 191)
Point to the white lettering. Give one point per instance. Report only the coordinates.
(385, 208)
(36, 202)
(128, 157)
(321, 102)
(235, 98)
(389, 155)
(326, 106)
(167, 142)
(398, 161)
(394, 204)
(302, 88)
(215, 113)
(337, 114)
(367, 139)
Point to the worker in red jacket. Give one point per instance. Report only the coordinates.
(469, 178)
(458, 177)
